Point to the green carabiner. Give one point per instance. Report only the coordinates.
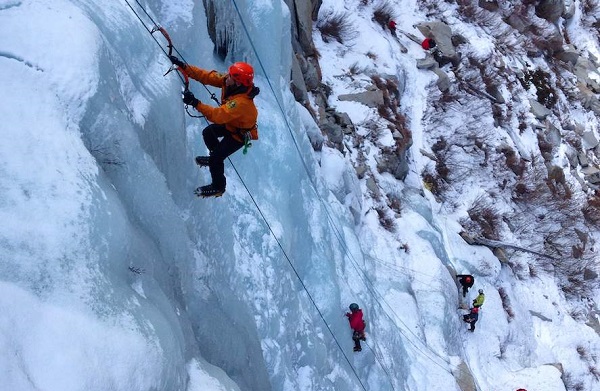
(247, 143)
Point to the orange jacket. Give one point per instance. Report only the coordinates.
(237, 111)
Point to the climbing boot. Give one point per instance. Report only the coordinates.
(202, 161)
(209, 191)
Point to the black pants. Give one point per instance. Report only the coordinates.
(467, 318)
(219, 151)
(465, 290)
(357, 336)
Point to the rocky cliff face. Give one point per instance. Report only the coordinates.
(306, 78)
(306, 75)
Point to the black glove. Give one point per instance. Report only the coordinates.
(190, 99)
(177, 61)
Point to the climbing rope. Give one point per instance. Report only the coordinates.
(310, 297)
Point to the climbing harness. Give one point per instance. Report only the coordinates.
(248, 134)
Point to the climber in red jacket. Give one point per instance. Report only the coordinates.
(355, 317)
(428, 43)
(392, 27)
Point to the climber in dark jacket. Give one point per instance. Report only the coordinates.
(466, 281)
(472, 317)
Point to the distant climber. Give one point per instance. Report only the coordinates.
(466, 281)
(355, 317)
(472, 318)
(428, 43)
(392, 27)
(478, 302)
(234, 120)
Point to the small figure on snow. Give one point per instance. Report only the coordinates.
(234, 121)
(428, 43)
(466, 281)
(472, 317)
(355, 317)
(392, 27)
(478, 302)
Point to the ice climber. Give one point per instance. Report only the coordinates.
(233, 122)
(392, 27)
(355, 317)
(428, 43)
(472, 317)
(466, 281)
(478, 302)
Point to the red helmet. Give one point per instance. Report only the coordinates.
(468, 279)
(242, 73)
